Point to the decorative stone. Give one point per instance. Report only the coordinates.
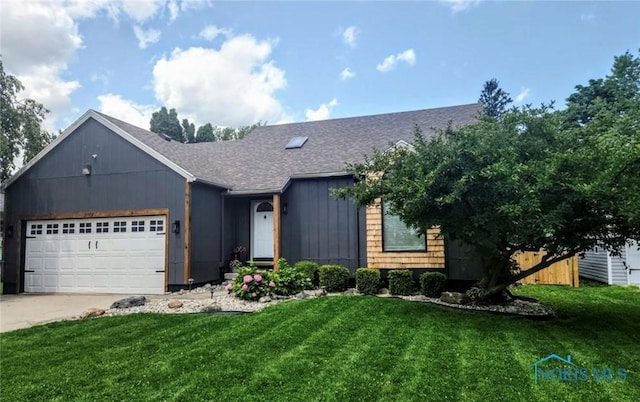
(301, 296)
(211, 308)
(349, 292)
(174, 304)
(92, 312)
(132, 301)
(315, 292)
(265, 299)
(207, 285)
(452, 297)
(384, 291)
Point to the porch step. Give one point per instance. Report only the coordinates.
(229, 276)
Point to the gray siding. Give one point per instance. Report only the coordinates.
(595, 266)
(206, 233)
(320, 228)
(237, 226)
(122, 178)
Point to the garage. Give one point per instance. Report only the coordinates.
(96, 255)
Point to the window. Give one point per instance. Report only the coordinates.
(119, 227)
(296, 142)
(85, 227)
(137, 226)
(396, 236)
(102, 227)
(52, 228)
(156, 226)
(36, 229)
(68, 228)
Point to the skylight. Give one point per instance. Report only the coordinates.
(296, 142)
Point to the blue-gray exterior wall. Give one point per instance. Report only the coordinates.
(122, 178)
(207, 221)
(595, 265)
(319, 228)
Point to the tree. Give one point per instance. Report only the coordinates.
(20, 122)
(166, 122)
(522, 183)
(494, 99)
(206, 133)
(189, 131)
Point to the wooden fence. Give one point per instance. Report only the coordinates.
(564, 272)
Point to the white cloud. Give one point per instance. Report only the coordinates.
(408, 56)
(460, 5)
(232, 86)
(350, 36)
(145, 38)
(210, 32)
(524, 94)
(321, 113)
(123, 109)
(346, 74)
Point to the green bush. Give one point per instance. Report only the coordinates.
(334, 278)
(401, 282)
(310, 269)
(368, 281)
(251, 283)
(432, 283)
(290, 281)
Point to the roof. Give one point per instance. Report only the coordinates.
(259, 163)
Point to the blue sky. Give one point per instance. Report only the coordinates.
(234, 63)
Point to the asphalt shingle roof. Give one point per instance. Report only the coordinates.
(259, 163)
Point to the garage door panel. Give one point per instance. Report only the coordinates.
(106, 255)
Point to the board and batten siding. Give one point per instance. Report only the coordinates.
(123, 178)
(432, 258)
(206, 233)
(320, 228)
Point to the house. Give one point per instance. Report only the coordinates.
(624, 269)
(112, 208)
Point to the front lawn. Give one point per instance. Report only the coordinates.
(331, 349)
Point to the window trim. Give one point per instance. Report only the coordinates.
(384, 250)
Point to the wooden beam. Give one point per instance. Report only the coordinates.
(187, 232)
(276, 230)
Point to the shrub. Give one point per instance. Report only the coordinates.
(432, 283)
(251, 283)
(290, 281)
(334, 278)
(310, 269)
(368, 281)
(401, 282)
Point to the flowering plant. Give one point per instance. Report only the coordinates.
(251, 283)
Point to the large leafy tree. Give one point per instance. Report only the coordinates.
(206, 133)
(494, 99)
(189, 130)
(524, 182)
(166, 122)
(20, 122)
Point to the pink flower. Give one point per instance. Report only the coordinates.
(229, 288)
(272, 284)
(247, 279)
(244, 287)
(257, 277)
(254, 294)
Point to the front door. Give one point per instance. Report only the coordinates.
(262, 239)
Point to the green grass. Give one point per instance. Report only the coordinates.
(331, 349)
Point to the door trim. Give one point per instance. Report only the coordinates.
(254, 204)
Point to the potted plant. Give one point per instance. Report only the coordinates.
(238, 258)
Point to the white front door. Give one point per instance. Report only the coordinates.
(262, 236)
(633, 263)
(96, 255)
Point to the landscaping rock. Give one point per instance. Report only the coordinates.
(452, 297)
(128, 302)
(211, 308)
(349, 292)
(207, 286)
(315, 292)
(174, 303)
(265, 299)
(92, 312)
(301, 295)
(384, 291)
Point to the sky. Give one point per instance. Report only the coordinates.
(237, 63)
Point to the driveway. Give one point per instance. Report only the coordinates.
(26, 310)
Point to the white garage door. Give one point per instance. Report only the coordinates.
(98, 255)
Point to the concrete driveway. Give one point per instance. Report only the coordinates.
(26, 310)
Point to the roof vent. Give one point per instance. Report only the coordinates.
(296, 142)
(167, 137)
